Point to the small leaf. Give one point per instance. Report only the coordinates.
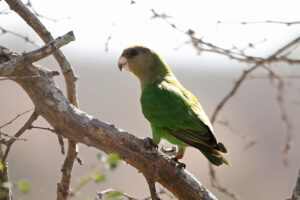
(99, 178)
(24, 186)
(113, 195)
(1, 166)
(113, 160)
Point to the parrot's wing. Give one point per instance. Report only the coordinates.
(167, 107)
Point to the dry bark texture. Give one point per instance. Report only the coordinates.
(76, 125)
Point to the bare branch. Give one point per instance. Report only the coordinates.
(16, 117)
(250, 142)
(83, 128)
(260, 22)
(33, 56)
(216, 184)
(4, 178)
(107, 43)
(17, 77)
(245, 75)
(29, 4)
(152, 189)
(26, 126)
(25, 38)
(29, 17)
(2, 141)
(296, 191)
(63, 188)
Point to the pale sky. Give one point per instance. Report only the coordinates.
(93, 21)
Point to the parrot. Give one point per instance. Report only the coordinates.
(174, 113)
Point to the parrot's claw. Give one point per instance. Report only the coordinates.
(169, 151)
(150, 143)
(180, 165)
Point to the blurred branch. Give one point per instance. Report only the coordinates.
(15, 118)
(250, 142)
(260, 22)
(81, 127)
(26, 126)
(296, 191)
(284, 114)
(36, 13)
(245, 75)
(216, 183)
(4, 178)
(25, 38)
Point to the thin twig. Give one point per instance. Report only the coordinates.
(16, 117)
(2, 141)
(216, 184)
(25, 38)
(260, 22)
(26, 126)
(250, 142)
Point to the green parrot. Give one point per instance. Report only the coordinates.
(174, 113)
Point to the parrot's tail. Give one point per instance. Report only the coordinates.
(216, 159)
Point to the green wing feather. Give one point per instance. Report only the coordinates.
(174, 110)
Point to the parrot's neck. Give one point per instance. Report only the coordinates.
(155, 78)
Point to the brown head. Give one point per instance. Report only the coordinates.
(144, 63)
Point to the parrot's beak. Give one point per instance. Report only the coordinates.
(123, 64)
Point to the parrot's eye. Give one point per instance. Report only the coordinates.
(133, 52)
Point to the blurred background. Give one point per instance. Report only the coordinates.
(103, 29)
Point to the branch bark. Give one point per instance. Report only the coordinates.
(76, 125)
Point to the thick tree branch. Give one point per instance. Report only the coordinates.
(20, 8)
(74, 124)
(35, 55)
(70, 80)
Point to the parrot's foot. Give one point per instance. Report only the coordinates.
(169, 151)
(180, 165)
(149, 143)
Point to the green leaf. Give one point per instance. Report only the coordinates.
(24, 186)
(1, 166)
(113, 195)
(99, 178)
(113, 160)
